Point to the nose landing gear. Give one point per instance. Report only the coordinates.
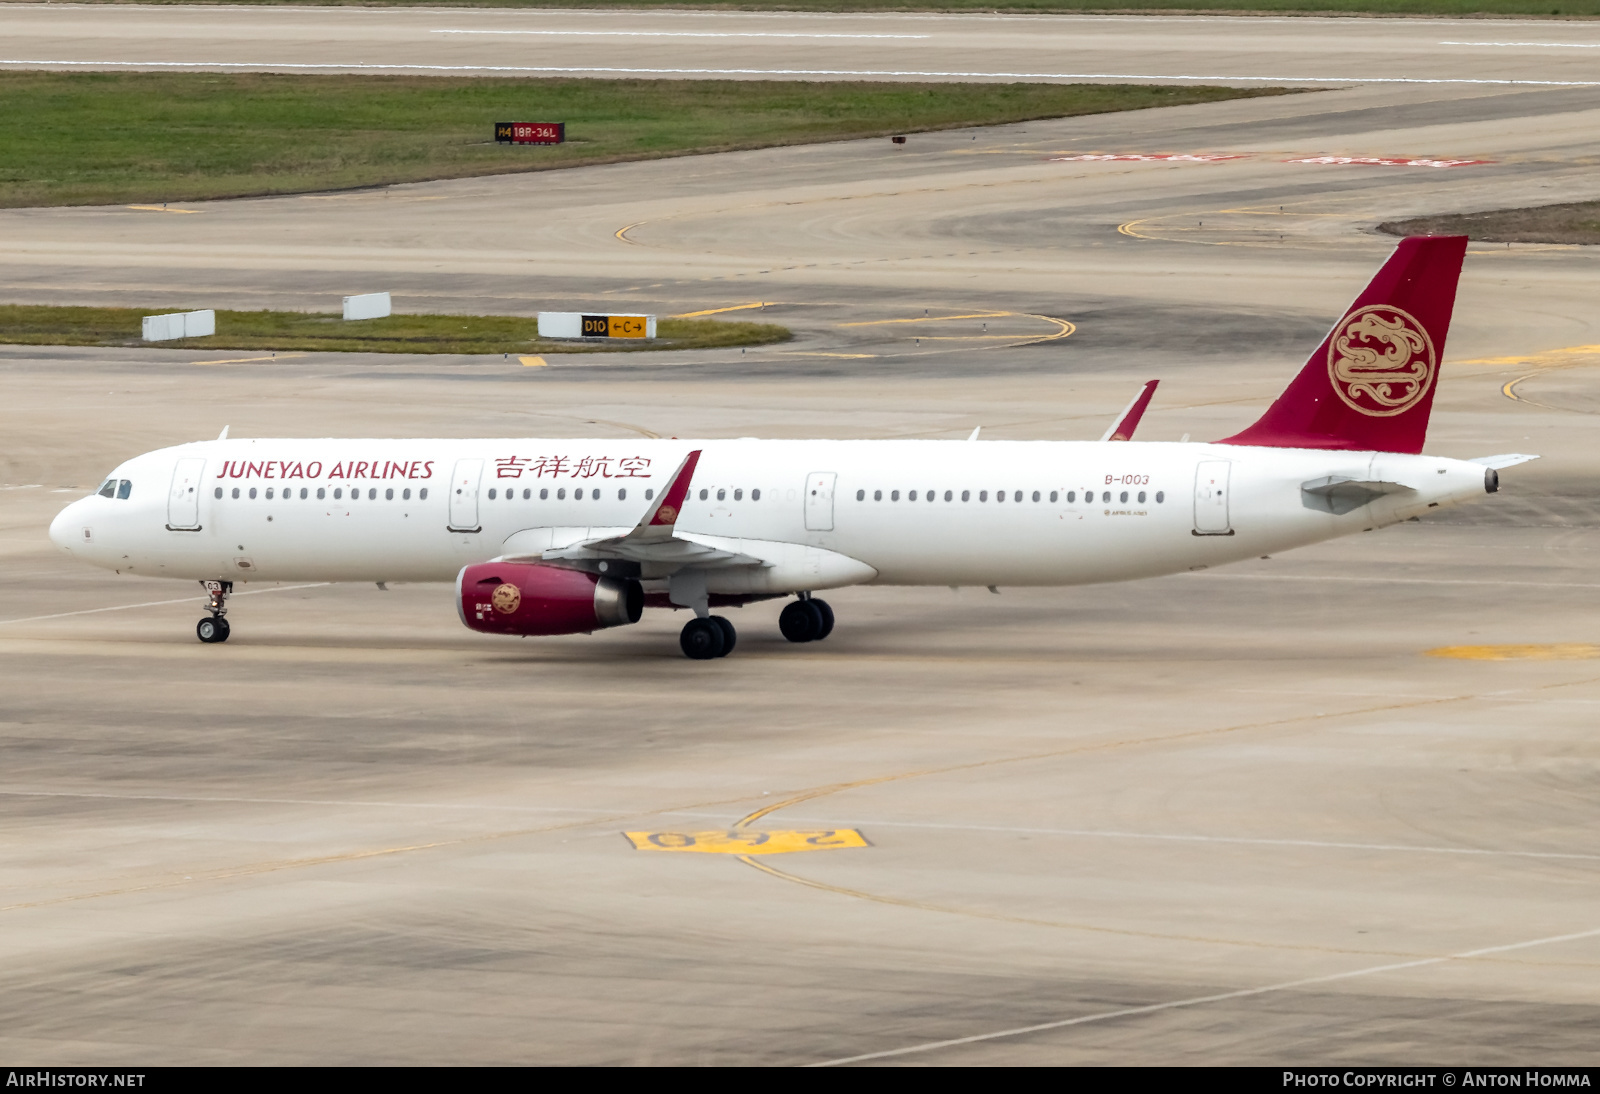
(806, 620)
(214, 628)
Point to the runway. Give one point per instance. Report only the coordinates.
(1334, 807)
(811, 45)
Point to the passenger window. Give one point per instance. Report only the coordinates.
(219, 492)
(1018, 496)
(322, 493)
(722, 495)
(877, 495)
(948, 495)
(388, 494)
(861, 495)
(1106, 496)
(911, 496)
(252, 493)
(1123, 497)
(269, 493)
(1141, 497)
(561, 495)
(405, 495)
(755, 495)
(491, 493)
(966, 495)
(649, 493)
(1072, 496)
(338, 492)
(1036, 496)
(928, 494)
(704, 494)
(894, 495)
(124, 488)
(738, 495)
(108, 489)
(999, 495)
(372, 495)
(983, 495)
(622, 495)
(422, 495)
(235, 491)
(1161, 496)
(1053, 495)
(544, 493)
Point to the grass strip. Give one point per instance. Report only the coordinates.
(1561, 8)
(290, 330)
(143, 138)
(1577, 222)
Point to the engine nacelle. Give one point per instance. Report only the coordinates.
(525, 598)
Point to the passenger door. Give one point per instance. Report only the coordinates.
(464, 496)
(183, 500)
(1211, 498)
(819, 501)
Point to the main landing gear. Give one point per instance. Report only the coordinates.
(704, 639)
(806, 620)
(214, 627)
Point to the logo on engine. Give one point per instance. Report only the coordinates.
(1381, 361)
(506, 598)
(666, 514)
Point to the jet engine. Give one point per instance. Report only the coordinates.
(529, 598)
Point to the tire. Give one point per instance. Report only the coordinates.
(730, 637)
(826, 614)
(800, 622)
(222, 626)
(211, 629)
(701, 640)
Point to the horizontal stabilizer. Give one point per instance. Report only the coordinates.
(1339, 495)
(1510, 459)
(1122, 429)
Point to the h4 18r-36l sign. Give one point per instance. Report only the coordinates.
(530, 132)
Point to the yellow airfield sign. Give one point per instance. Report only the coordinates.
(748, 843)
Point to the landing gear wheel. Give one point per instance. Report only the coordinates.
(826, 614)
(730, 637)
(212, 629)
(801, 621)
(702, 640)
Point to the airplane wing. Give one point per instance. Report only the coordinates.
(1510, 459)
(1122, 429)
(653, 541)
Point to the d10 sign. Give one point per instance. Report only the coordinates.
(530, 132)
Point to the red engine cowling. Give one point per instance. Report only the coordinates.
(527, 598)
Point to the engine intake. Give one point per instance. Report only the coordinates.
(527, 598)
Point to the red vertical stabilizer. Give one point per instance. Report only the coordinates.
(1370, 384)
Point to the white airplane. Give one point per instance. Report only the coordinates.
(546, 537)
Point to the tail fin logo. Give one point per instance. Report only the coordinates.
(1381, 361)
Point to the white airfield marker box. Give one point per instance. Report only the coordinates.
(183, 324)
(372, 305)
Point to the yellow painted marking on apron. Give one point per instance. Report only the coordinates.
(747, 842)
(1554, 651)
(534, 362)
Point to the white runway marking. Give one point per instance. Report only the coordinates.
(1556, 585)
(864, 73)
(1243, 993)
(158, 603)
(672, 34)
(1540, 45)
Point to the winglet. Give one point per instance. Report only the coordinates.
(663, 515)
(223, 435)
(1122, 429)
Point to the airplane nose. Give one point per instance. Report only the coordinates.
(67, 530)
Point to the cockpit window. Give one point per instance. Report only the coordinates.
(124, 488)
(109, 490)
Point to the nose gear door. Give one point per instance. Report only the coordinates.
(183, 500)
(819, 501)
(1211, 498)
(464, 496)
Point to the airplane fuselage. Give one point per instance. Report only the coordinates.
(819, 513)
